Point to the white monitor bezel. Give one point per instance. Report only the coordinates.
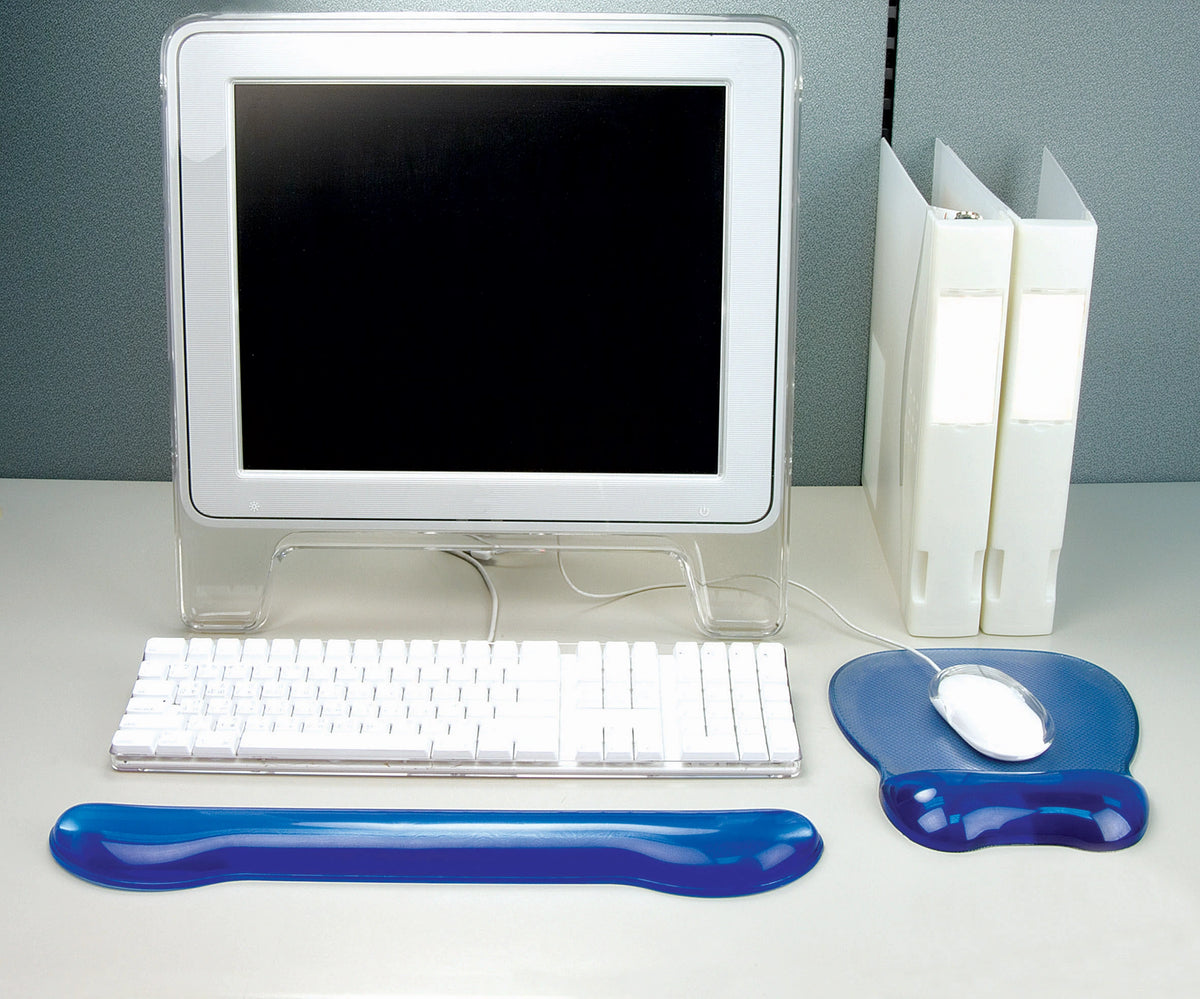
(756, 62)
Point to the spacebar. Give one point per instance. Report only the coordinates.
(325, 746)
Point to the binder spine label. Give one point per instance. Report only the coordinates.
(1046, 356)
(967, 334)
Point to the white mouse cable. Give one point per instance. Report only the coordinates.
(620, 594)
(863, 631)
(479, 567)
(791, 582)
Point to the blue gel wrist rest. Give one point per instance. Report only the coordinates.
(703, 853)
(958, 810)
(944, 795)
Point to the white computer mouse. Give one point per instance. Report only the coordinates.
(992, 712)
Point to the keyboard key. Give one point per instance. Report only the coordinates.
(283, 650)
(200, 650)
(618, 744)
(176, 742)
(458, 742)
(220, 744)
(648, 744)
(135, 742)
(495, 745)
(536, 742)
(165, 649)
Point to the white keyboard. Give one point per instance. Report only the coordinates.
(449, 707)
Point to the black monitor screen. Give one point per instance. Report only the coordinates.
(497, 278)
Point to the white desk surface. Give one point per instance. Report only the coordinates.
(87, 574)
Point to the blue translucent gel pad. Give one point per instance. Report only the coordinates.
(941, 793)
(709, 854)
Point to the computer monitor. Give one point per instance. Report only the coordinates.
(481, 273)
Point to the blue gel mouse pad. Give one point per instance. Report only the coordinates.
(944, 795)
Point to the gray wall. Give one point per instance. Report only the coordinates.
(1111, 88)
